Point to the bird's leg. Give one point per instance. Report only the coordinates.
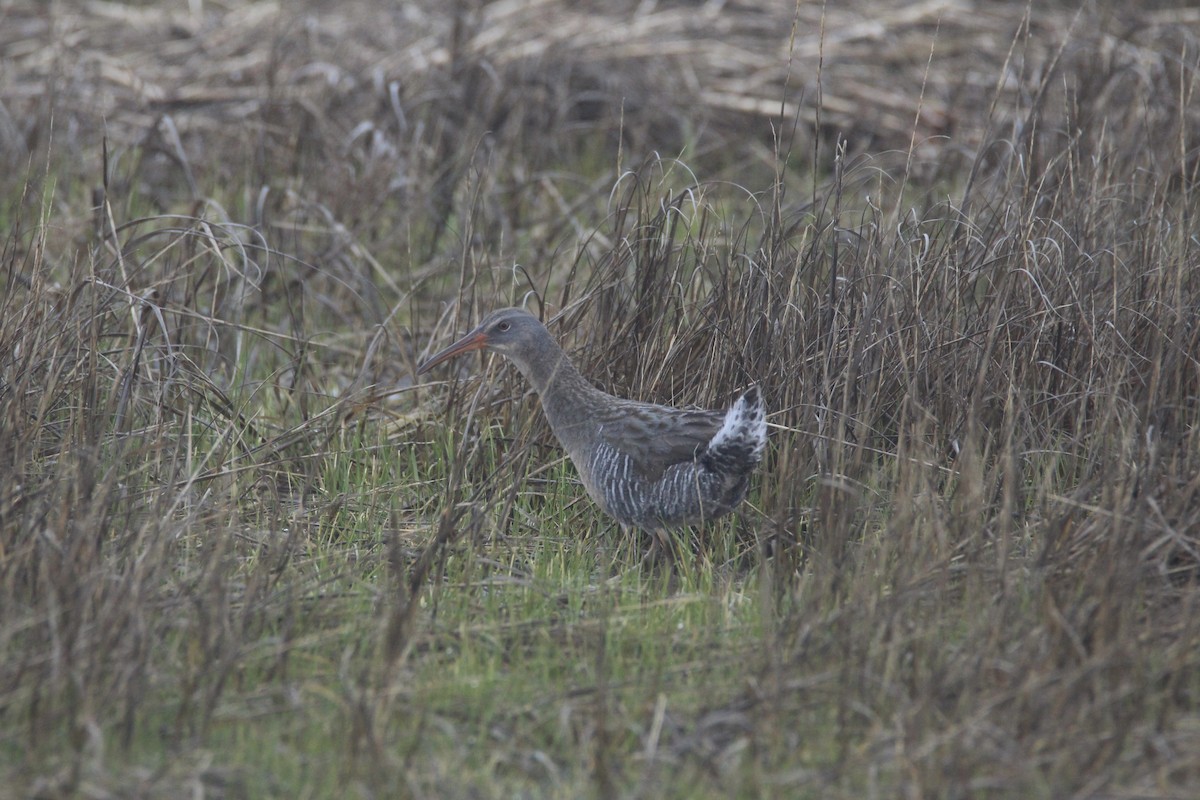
(653, 553)
(653, 557)
(662, 553)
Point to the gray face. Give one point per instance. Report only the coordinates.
(513, 332)
(510, 330)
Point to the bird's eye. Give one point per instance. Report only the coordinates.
(504, 326)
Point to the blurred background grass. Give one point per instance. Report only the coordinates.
(244, 554)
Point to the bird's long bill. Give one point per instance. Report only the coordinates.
(475, 340)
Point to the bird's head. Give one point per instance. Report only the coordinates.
(512, 332)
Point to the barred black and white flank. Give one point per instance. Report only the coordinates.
(648, 466)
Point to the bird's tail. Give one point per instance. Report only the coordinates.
(739, 444)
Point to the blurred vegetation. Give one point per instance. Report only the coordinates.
(243, 553)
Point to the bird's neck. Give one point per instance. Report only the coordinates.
(567, 398)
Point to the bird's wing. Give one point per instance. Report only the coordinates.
(657, 437)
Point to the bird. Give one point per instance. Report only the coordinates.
(650, 467)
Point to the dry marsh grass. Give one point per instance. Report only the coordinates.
(243, 554)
